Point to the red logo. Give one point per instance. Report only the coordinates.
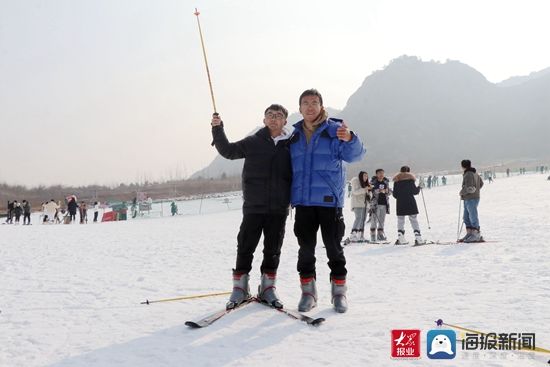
(405, 344)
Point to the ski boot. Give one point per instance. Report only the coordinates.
(467, 236)
(401, 239)
(418, 240)
(309, 294)
(339, 300)
(475, 236)
(381, 236)
(267, 292)
(372, 236)
(241, 291)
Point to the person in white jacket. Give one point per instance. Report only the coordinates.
(360, 198)
(49, 210)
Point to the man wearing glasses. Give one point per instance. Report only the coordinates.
(266, 181)
(319, 147)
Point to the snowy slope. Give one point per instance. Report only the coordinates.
(70, 294)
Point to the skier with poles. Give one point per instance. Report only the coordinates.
(380, 206)
(319, 147)
(360, 199)
(266, 180)
(470, 194)
(404, 190)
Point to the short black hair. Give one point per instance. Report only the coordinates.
(466, 163)
(277, 107)
(405, 169)
(311, 92)
(379, 170)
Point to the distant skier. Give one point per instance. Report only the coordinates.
(443, 180)
(83, 209)
(507, 172)
(72, 206)
(470, 193)
(26, 212)
(17, 210)
(404, 190)
(429, 182)
(266, 193)
(360, 199)
(9, 217)
(173, 208)
(96, 211)
(380, 205)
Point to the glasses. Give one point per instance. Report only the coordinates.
(307, 104)
(275, 116)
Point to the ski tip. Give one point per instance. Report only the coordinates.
(146, 302)
(192, 325)
(317, 322)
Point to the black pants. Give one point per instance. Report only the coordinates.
(95, 216)
(27, 218)
(307, 223)
(252, 226)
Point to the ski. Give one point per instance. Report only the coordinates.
(364, 242)
(210, 319)
(296, 315)
(443, 243)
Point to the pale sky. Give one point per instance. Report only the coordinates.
(110, 91)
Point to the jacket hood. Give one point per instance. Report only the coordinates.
(403, 176)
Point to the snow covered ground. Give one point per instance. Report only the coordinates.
(70, 294)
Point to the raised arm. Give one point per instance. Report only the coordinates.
(226, 149)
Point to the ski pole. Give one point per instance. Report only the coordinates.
(458, 226)
(206, 62)
(425, 210)
(147, 302)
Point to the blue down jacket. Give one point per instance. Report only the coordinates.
(318, 168)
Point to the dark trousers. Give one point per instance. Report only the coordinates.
(252, 226)
(307, 223)
(95, 216)
(27, 218)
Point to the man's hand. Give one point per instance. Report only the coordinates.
(216, 119)
(343, 132)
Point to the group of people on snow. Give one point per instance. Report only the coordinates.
(51, 211)
(371, 199)
(303, 167)
(16, 209)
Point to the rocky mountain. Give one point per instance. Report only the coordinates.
(430, 115)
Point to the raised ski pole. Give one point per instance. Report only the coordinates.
(425, 210)
(206, 62)
(147, 302)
